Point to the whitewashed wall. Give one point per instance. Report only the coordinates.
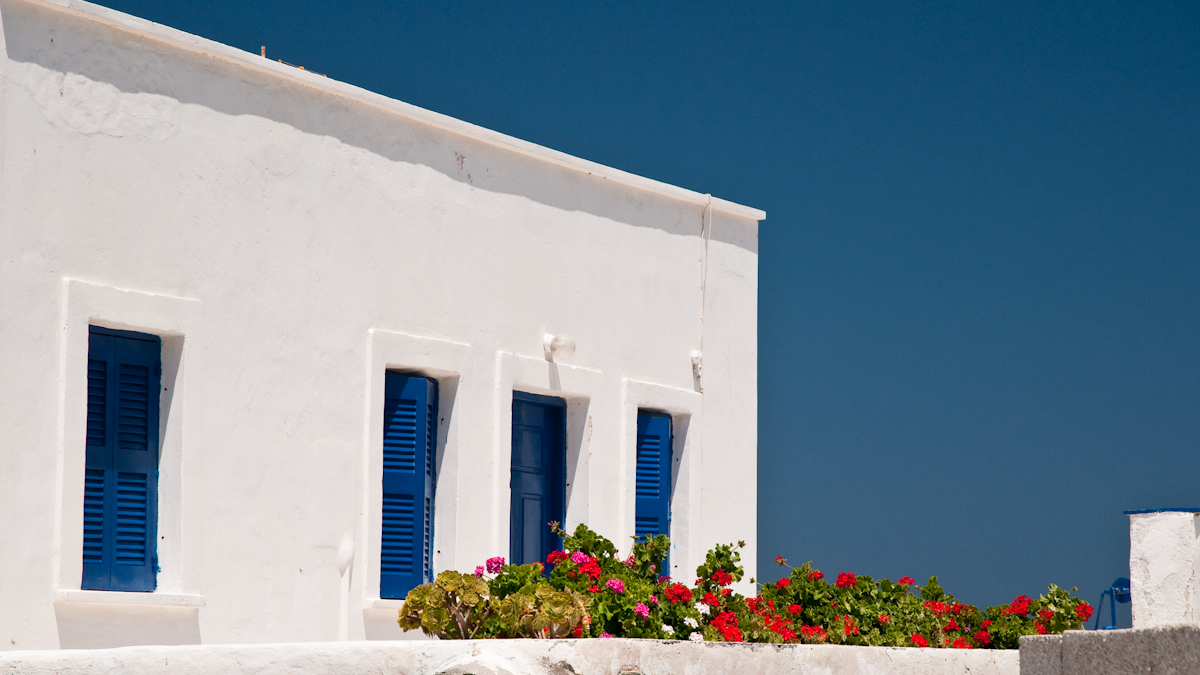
(291, 237)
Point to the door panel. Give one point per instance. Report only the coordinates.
(537, 480)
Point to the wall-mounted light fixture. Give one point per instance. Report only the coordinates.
(560, 346)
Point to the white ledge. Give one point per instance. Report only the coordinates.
(131, 598)
(383, 604)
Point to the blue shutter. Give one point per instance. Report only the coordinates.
(409, 444)
(652, 513)
(120, 492)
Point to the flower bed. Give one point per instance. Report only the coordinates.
(590, 592)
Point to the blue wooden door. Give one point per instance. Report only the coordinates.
(120, 491)
(409, 445)
(652, 513)
(538, 482)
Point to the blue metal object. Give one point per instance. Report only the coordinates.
(1118, 592)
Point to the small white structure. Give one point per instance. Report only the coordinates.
(271, 244)
(1164, 562)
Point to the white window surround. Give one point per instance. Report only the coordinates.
(178, 321)
(445, 361)
(686, 408)
(580, 387)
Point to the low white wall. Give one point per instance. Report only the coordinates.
(502, 657)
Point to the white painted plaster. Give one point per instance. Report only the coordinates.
(520, 657)
(291, 237)
(1164, 554)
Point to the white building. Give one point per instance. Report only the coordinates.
(267, 245)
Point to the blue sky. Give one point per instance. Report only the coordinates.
(980, 297)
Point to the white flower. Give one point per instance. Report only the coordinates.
(696, 637)
(691, 622)
(669, 630)
(702, 608)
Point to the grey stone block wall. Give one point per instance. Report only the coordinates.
(1169, 650)
(1041, 655)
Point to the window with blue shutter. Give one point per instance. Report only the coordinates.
(652, 509)
(409, 445)
(120, 485)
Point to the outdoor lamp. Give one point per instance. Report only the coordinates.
(559, 346)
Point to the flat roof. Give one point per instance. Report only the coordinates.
(210, 48)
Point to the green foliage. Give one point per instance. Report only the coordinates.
(454, 606)
(585, 590)
(540, 611)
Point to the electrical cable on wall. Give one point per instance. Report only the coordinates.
(705, 234)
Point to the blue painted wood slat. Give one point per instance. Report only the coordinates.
(652, 481)
(120, 501)
(409, 445)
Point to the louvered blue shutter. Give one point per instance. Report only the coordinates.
(120, 491)
(652, 513)
(409, 445)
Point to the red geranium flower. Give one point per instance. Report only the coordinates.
(1020, 606)
(884, 618)
(722, 577)
(710, 599)
(816, 632)
(919, 640)
(845, 580)
(795, 609)
(815, 575)
(982, 637)
(779, 560)
(594, 589)
(953, 625)
(556, 557)
(591, 569)
(1041, 628)
(678, 593)
(961, 643)
(783, 583)
(907, 581)
(1083, 611)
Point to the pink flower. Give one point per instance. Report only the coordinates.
(494, 564)
(654, 599)
(579, 557)
(641, 610)
(616, 585)
(605, 635)
(630, 562)
(479, 571)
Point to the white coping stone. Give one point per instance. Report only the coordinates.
(1164, 553)
(504, 657)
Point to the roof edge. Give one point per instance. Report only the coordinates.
(195, 43)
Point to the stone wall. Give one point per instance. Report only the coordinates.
(1171, 650)
(505, 657)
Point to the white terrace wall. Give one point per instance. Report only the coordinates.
(520, 657)
(291, 237)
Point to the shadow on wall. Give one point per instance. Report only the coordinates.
(101, 626)
(65, 44)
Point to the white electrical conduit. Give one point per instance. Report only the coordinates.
(705, 235)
